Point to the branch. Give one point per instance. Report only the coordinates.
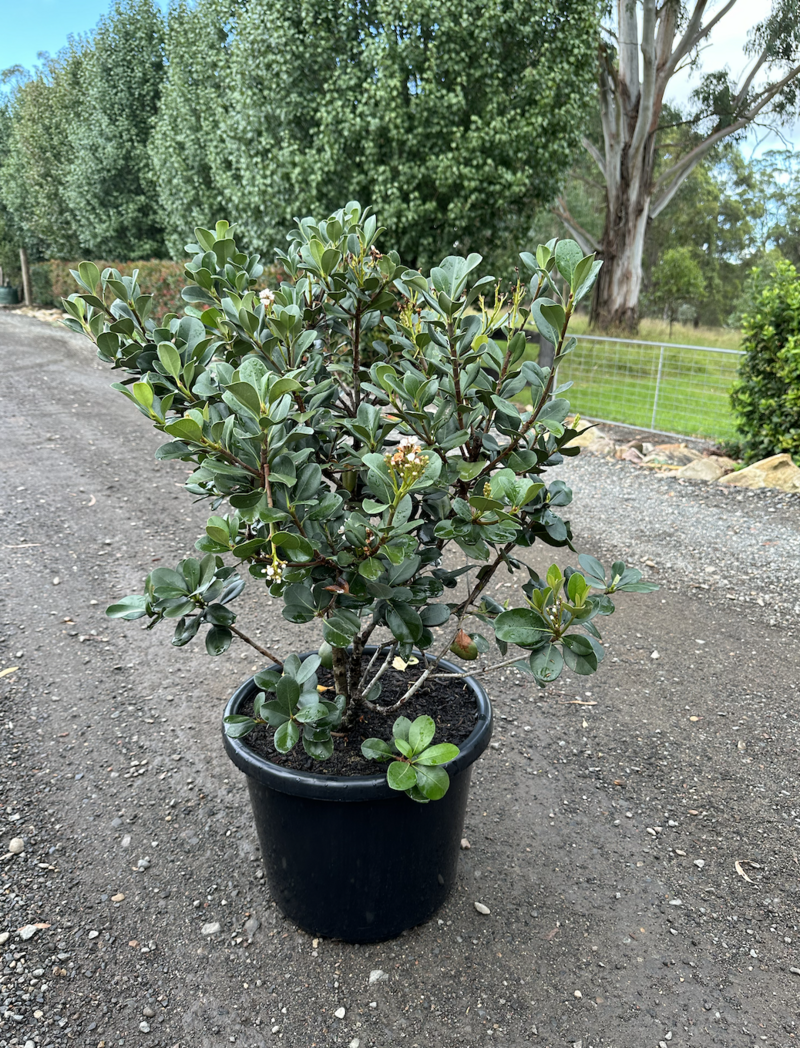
(262, 651)
(644, 118)
(680, 171)
(585, 239)
(693, 34)
(595, 154)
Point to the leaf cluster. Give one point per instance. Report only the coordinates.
(415, 766)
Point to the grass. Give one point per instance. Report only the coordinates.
(617, 380)
(652, 330)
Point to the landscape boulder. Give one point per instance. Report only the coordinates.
(778, 471)
(707, 468)
(672, 455)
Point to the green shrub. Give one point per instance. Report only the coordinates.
(51, 281)
(766, 399)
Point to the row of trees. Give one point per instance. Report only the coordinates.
(458, 121)
(457, 124)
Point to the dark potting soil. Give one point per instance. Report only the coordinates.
(451, 703)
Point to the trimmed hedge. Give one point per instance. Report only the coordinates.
(162, 278)
(51, 281)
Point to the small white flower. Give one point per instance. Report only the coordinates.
(267, 296)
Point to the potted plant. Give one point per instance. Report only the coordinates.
(351, 428)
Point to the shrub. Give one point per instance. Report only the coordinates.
(766, 399)
(51, 281)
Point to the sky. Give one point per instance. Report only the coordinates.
(31, 26)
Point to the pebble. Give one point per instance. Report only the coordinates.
(4, 937)
(119, 897)
(340, 1013)
(354, 1043)
(699, 863)
(144, 1026)
(795, 971)
(212, 928)
(675, 902)
(126, 841)
(577, 995)
(93, 934)
(16, 846)
(465, 845)
(56, 580)
(251, 926)
(27, 932)
(144, 864)
(376, 976)
(148, 1012)
(479, 906)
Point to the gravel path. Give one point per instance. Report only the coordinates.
(634, 836)
(730, 543)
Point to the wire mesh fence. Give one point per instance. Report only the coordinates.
(665, 387)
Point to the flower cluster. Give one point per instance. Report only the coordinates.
(407, 462)
(267, 298)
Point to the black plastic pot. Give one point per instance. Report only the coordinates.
(348, 858)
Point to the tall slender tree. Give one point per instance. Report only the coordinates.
(190, 168)
(643, 45)
(36, 154)
(110, 183)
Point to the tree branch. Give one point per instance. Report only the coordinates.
(585, 239)
(595, 154)
(694, 33)
(674, 176)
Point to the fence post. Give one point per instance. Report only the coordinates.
(658, 386)
(26, 275)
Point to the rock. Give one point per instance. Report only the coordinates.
(126, 841)
(779, 471)
(93, 934)
(354, 1043)
(602, 446)
(144, 864)
(672, 455)
(577, 995)
(465, 845)
(119, 897)
(27, 932)
(709, 469)
(340, 1013)
(212, 928)
(16, 846)
(4, 937)
(479, 906)
(376, 976)
(148, 1012)
(251, 926)
(699, 863)
(144, 1026)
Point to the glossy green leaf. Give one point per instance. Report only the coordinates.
(401, 776)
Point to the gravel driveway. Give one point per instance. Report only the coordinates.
(634, 836)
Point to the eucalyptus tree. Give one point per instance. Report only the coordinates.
(643, 45)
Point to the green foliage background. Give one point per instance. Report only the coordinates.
(456, 121)
(767, 397)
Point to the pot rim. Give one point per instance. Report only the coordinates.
(349, 787)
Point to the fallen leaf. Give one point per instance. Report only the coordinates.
(133, 942)
(619, 782)
(93, 501)
(549, 936)
(741, 872)
(9, 669)
(401, 664)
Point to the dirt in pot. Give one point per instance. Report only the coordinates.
(451, 703)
